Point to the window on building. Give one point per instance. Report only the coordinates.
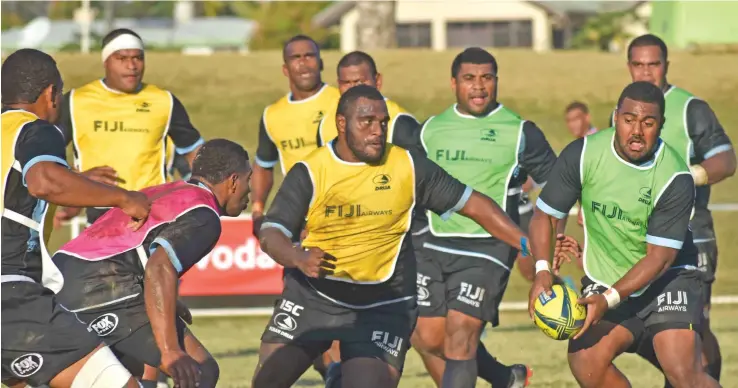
(508, 33)
(413, 34)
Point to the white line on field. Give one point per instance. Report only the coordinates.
(504, 306)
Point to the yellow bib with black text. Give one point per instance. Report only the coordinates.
(124, 131)
(360, 213)
(292, 125)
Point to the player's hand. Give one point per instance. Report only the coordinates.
(103, 174)
(136, 205)
(315, 263)
(565, 248)
(257, 218)
(64, 214)
(596, 306)
(182, 368)
(184, 312)
(543, 282)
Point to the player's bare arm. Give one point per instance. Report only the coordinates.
(57, 184)
(160, 295)
(262, 179)
(494, 220)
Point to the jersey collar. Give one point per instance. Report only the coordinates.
(201, 185)
(466, 116)
(644, 166)
(314, 96)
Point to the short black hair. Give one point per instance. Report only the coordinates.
(577, 105)
(475, 55)
(643, 91)
(347, 100)
(356, 58)
(26, 73)
(649, 40)
(218, 159)
(299, 38)
(116, 33)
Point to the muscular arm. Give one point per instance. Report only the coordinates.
(564, 188)
(284, 221)
(160, 297)
(177, 247)
(186, 137)
(41, 154)
(262, 179)
(667, 229)
(711, 143)
(445, 195)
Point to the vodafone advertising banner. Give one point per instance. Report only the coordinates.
(236, 266)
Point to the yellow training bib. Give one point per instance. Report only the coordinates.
(360, 213)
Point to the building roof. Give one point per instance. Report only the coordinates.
(332, 14)
(155, 32)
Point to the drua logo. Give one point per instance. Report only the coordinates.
(382, 182)
(645, 195)
(488, 135)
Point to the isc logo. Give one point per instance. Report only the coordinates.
(291, 307)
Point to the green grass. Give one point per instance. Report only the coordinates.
(516, 340)
(226, 94)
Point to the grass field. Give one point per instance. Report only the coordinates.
(517, 340)
(226, 94)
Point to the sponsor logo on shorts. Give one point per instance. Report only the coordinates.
(672, 301)
(104, 324)
(27, 364)
(391, 344)
(423, 293)
(471, 295)
(284, 322)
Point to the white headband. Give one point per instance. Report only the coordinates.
(121, 42)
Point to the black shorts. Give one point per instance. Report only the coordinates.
(707, 258)
(40, 338)
(674, 301)
(524, 221)
(302, 316)
(469, 278)
(126, 329)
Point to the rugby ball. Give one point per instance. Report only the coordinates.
(559, 315)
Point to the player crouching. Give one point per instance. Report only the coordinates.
(123, 284)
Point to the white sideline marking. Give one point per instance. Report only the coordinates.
(504, 306)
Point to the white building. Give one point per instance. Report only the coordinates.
(442, 24)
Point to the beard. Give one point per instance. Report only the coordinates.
(360, 148)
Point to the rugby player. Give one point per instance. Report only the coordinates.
(287, 130)
(691, 128)
(123, 285)
(353, 278)
(641, 280)
(359, 68)
(42, 342)
(119, 126)
(578, 119)
(462, 270)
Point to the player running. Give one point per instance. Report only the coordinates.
(287, 130)
(123, 285)
(119, 125)
(640, 262)
(691, 128)
(359, 68)
(42, 342)
(462, 269)
(353, 278)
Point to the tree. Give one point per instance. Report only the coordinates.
(603, 30)
(376, 25)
